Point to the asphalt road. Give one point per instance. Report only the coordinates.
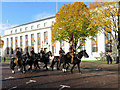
(94, 75)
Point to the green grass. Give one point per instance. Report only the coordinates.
(97, 61)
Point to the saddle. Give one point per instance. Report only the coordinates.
(16, 61)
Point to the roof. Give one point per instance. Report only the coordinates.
(32, 22)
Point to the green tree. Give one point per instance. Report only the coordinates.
(72, 19)
(105, 20)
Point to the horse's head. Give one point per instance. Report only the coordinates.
(68, 55)
(83, 53)
(50, 53)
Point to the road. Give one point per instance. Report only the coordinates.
(94, 75)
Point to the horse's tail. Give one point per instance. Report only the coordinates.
(12, 64)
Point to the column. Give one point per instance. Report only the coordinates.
(35, 43)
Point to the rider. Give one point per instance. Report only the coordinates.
(61, 52)
(18, 55)
(41, 51)
(27, 53)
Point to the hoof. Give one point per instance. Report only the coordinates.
(18, 69)
(23, 71)
(80, 72)
(13, 71)
(63, 70)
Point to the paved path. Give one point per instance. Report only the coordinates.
(94, 75)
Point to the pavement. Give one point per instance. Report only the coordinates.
(94, 75)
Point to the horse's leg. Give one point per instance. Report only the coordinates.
(58, 65)
(64, 67)
(12, 66)
(37, 64)
(72, 68)
(52, 64)
(68, 65)
(79, 67)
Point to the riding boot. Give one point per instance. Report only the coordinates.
(58, 66)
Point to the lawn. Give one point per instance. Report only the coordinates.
(97, 61)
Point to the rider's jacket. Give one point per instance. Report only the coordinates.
(42, 52)
(18, 54)
(61, 52)
(27, 53)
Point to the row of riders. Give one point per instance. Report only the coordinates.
(33, 59)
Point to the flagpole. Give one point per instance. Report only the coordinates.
(56, 6)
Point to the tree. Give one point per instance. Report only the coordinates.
(1, 42)
(72, 19)
(105, 20)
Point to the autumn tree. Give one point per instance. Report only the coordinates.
(72, 19)
(105, 20)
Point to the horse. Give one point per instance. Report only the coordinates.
(64, 60)
(55, 60)
(15, 62)
(77, 59)
(45, 58)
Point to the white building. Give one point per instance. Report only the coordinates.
(37, 34)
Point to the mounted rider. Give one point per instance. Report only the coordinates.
(32, 53)
(61, 52)
(18, 55)
(42, 51)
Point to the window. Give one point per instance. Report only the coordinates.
(52, 22)
(46, 37)
(45, 24)
(15, 30)
(31, 27)
(26, 28)
(32, 40)
(39, 41)
(38, 26)
(11, 42)
(21, 42)
(94, 45)
(108, 44)
(16, 42)
(11, 32)
(54, 48)
(26, 40)
(7, 42)
(20, 29)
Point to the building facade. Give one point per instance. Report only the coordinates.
(37, 35)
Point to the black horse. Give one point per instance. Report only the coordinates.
(44, 58)
(65, 60)
(77, 59)
(15, 62)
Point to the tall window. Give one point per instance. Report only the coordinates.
(62, 44)
(26, 41)
(7, 46)
(21, 46)
(32, 40)
(20, 29)
(54, 48)
(31, 27)
(16, 42)
(11, 45)
(52, 22)
(38, 26)
(26, 28)
(15, 30)
(108, 44)
(46, 37)
(94, 45)
(45, 24)
(39, 41)
(11, 32)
